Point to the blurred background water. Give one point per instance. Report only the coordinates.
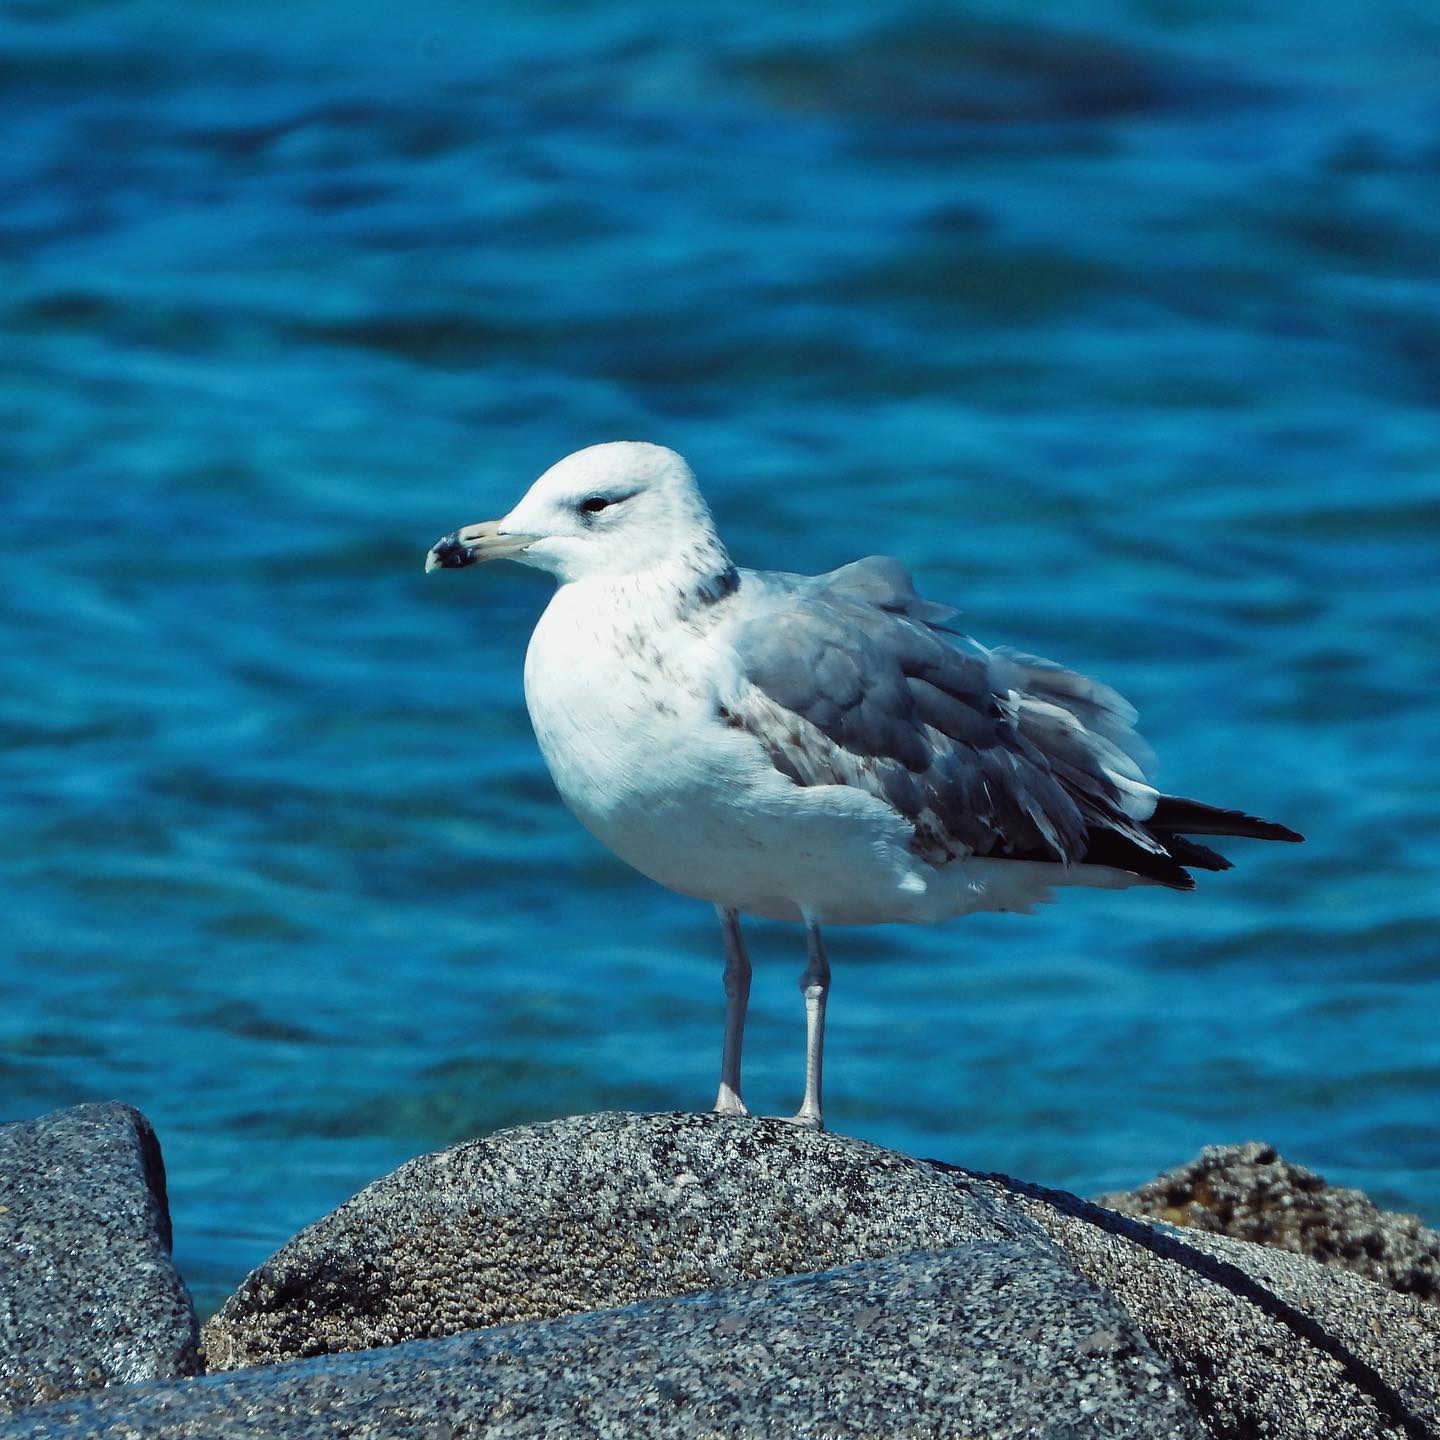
(1118, 322)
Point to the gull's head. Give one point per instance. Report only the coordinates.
(608, 510)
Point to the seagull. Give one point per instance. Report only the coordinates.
(824, 749)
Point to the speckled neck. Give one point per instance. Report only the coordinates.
(701, 577)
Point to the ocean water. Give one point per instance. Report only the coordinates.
(1118, 322)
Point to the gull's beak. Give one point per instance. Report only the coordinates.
(473, 543)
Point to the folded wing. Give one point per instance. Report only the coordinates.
(852, 679)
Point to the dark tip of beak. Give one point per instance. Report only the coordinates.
(449, 554)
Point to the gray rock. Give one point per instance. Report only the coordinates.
(88, 1294)
(609, 1209)
(1251, 1193)
(998, 1338)
(1265, 1343)
(586, 1213)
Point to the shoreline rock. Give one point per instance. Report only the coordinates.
(89, 1295)
(1250, 1193)
(588, 1213)
(701, 1275)
(913, 1345)
(602, 1210)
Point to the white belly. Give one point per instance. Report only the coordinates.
(628, 722)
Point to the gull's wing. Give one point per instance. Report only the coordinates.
(849, 679)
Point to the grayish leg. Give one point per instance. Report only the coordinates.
(737, 997)
(815, 986)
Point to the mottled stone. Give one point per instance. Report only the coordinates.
(88, 1294)
(1000, 1338)
(1267, 1344)
(605, 1210)
(1251, 1193)
(584, 1213)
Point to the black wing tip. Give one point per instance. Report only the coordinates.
(1176, 815)
(1252, 827)
(1258, 829)
(1118, 852)
(1192, 852)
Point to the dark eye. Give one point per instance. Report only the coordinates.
(595, 504)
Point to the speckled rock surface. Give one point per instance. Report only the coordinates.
(999, 1339)
(88, 1293)
(1251, 1193)
(588, 1212)
(1267, 1344)
(608, 1209)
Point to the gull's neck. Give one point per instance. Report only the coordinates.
(689, 582)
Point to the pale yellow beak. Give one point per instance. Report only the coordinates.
(474, 543)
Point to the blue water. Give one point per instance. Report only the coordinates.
(1120, 323)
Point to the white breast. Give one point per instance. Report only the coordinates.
(615, 701)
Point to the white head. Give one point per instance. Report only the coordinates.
(609, 510)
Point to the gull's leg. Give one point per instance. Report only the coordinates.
(815, 986)
(737, 997)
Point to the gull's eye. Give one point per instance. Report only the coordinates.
(595, 504)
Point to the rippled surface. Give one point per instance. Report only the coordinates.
(1119, 323)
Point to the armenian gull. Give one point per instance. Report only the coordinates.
(816, 748)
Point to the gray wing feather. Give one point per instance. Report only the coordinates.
(882, 581)
(849, 681)
(1102, 711)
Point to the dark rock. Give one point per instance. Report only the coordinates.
(586, 1213)
(921, 1299)
(88, 1294)
(1251, 1193)
(1266, 1343)
(998, 1338)
(605, 1210)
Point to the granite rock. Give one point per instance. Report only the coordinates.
(1266, 1344)
(585, 1213)
(606, 1210)
(688, 1275)
(1251, 1193)
(999, 1338)
(88, 1294)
